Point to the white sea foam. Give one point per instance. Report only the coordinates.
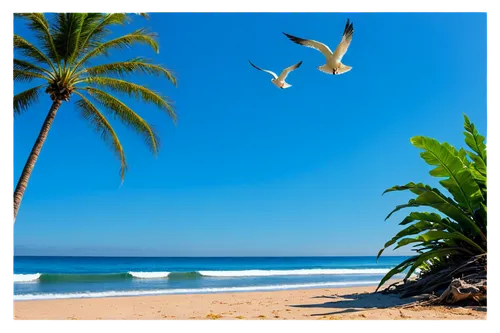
(149, 275)
(189, 291)
(26, 277)
(319, 271)
(228, 274)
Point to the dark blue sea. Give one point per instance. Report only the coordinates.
(81, 277)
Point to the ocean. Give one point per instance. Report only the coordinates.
(84, 277)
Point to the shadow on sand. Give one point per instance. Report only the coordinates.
(356, 302)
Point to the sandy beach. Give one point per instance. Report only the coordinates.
(313, 304)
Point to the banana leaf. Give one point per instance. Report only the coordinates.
(460, 182)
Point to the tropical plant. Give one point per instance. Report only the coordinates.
(61, 61)
(455, 232)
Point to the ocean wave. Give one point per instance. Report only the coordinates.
(190, 291)
(26, 277)
(57, 278)
(319, 271)
(149, 275)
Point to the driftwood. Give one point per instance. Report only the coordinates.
(459, 291)
(457, 284)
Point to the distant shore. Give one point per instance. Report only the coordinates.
(312, 304)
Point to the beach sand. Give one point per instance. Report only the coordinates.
(313, 304)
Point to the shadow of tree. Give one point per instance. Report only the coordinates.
(356, 302)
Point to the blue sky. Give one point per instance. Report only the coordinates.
(251, 169)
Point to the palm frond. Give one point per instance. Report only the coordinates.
(28, 66)
(96, 118)
(39, 24)
(127, 116)
(31, 51)
(94, 28)
(66, 32)
(133, 90)
(126, 41)
(131, 67)
(25, 99)
(27, 76)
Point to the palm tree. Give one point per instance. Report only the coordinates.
(61, 62)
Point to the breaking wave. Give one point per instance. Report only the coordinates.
(57, 278)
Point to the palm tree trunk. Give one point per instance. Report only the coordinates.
(35, 151)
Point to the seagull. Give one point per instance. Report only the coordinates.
(333, 64)
(279, 81)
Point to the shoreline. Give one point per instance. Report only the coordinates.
(359, 302)
(192, 291)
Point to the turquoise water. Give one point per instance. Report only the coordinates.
(77, 277)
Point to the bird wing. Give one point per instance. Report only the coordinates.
(287, 70)
(312, 44)
(264, 70)
(345, 42)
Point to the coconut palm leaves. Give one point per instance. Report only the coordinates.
(461, 233)
(60, 63)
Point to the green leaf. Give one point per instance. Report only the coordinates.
(133, 66)
(414, 188)
(95, 28)
(135, 91)
(406, 241)
(422, 216)
(439, 253)
(441, 171)
(447, 207)
(436, 235)
(26, 76)
(30, 51)
(66, 33)
(139, 36)
(396, 270)
(478, 163)
(25, 99)
(460, 182)
(27, 66)
(451, 226)
(39, 24)
(101, 124)
(474, 140)
(431, 197)
(411, 230)
(127, 116)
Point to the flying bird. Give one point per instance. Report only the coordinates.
(333, 59)
(279, 81)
